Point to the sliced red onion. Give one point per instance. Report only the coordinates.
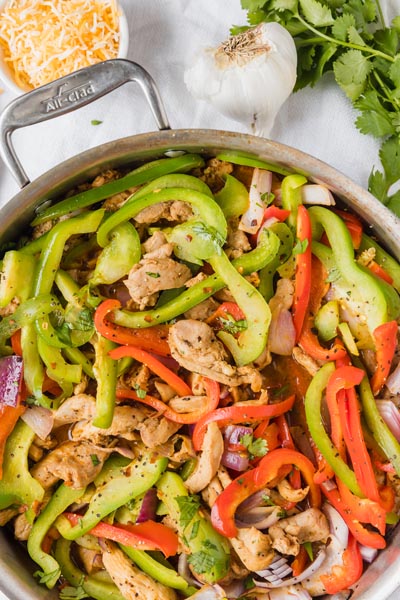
(235, 589)
(149, 505)
(10, 379)
(184, 571)
(260, 517)
(234, 433)
(266, 225)
(313, 193)
(282, 334)
(393, 381)
(337, 524)
(391, 415)
(210, 592)
(368, 554)
(260, 185)
(252, 501)
(275, 579)
(292, 592)
(235, 461)
(40, 420)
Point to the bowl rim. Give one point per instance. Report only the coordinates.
(6, 75)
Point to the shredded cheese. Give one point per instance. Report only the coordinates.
(46, 39)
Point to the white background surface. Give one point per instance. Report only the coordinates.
(164, 36)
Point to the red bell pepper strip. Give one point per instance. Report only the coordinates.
(152, 339)
(302, 284)
(364, 536)
(300, 562)
(148, 535)
(225, 309)
(380, 272)
(177, 384)
(341, 390)
(343, 576)
(308, 340)
(16, 342)
(213, 392)
(269, 469)
(364, 509)
(287, 442)
(230, 415)
(353, 225)
(385, 338)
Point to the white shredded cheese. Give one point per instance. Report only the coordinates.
(46, 39)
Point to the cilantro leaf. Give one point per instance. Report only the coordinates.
(390, 159)
(316, 13)
(377, 185)
(394, 71)
(341, 26)
(69, 592)
(255, 446)
(252, 4)
(188, 507)
(351, 70)
(374, 118)
(231, 326)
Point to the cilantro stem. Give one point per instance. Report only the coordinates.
(380, 13)
(388, 95)
(328, 38)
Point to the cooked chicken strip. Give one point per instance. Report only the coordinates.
(151, 275)
(253, 548)
(308, 526)
(133, 583)
(156, 431)
(125, 425)
(209, 461)
(195, 347)
(71, 461)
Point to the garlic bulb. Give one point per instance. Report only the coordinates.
(248, 77)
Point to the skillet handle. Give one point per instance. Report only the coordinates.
(69, 93)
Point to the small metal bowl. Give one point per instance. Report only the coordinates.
(7, 76)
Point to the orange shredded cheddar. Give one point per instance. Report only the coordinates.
(44, 40)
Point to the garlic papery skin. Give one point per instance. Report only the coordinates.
(248, 77)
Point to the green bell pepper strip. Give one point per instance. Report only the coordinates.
(205, 208)
(387, 262)
(67, 286)
(26, 313)
(380, 300)
(50, 260)
(247, 160)
(174, 180)
(291, 196)
(33, 366)
(63, 497)
(57, 367)
(158, 571)
(194, 529)
(233, 198)
(17, 274)
(118, 257)
(267, 273)
(138, 176)
(251, 342)
(105, 370)
(17, 485)
(133, 480)
(93, 587)
(312, 404)
(266, 250)
(377, 426)
(52, 252)
(77, 357)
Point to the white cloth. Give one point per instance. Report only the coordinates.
(164, 36)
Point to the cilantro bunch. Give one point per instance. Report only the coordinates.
(350, 38)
